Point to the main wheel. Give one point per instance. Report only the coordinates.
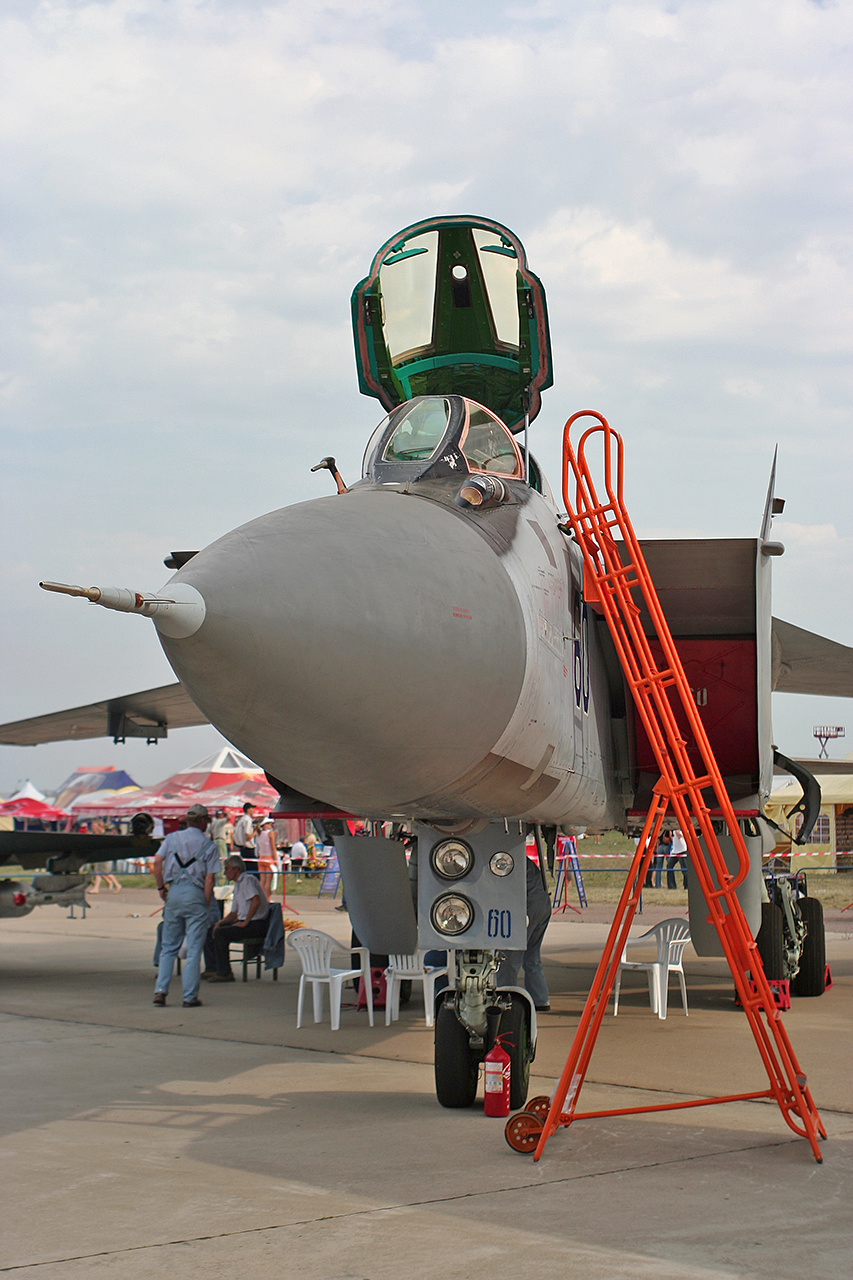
(523, 1132)
(456, 1067)
(516, 1042)
(811, 979)
(770, 941)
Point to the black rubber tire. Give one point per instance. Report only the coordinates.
(811, 980)
(514, 1026)
(457, 1069)
(770, 941)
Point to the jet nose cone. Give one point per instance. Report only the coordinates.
(367, 649)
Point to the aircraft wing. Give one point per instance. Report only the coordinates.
(149, 715)
(807, 663)
(31, 849)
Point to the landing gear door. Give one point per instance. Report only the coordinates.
(472, 890)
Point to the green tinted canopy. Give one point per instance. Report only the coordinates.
(451, 308)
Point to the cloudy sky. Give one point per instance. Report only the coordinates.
(191, 189)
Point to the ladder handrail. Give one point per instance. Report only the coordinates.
(588, 529)
(608, 584)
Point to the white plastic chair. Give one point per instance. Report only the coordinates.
(671, 937)
(315, 953)
(410, 969)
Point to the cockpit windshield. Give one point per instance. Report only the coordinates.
(440, 436)
(418, 432)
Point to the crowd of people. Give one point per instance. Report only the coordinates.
(670, 853)
(254, 837)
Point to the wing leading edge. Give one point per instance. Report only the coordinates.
(807, 663)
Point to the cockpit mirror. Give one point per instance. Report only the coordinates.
(451, 308)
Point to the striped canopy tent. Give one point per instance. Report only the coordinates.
(221, 781)
(90, 778)
(225, 768)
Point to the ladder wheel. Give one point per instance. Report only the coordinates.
(539, 1106)
(523, 1132)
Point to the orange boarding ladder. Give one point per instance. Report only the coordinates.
(609, 585)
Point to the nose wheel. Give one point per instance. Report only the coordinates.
(457, 1067)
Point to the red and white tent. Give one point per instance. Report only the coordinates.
(27, 808)
(225, 780)
(224, 769)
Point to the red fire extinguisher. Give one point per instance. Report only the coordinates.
(497, 1063)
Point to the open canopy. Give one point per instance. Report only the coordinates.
(450, 307)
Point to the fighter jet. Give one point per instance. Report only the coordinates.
(417, 645)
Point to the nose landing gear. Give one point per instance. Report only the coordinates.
(460, 1050)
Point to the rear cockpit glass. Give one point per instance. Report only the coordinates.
(489, 446)
(498, 263)
(407, 281)
(418, 432)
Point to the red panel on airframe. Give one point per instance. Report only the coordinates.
(722, 677)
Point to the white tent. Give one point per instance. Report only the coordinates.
(28, 792)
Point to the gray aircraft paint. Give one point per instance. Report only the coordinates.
(333, 628)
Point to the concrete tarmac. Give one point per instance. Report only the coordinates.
(222, 1141)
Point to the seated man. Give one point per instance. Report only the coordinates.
(247, 919)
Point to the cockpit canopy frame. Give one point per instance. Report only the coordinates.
(450, 307)
(435, 437)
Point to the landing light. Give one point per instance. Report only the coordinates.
(451, 859)
(452, 914)
(501, 863)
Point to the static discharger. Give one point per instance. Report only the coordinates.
(178, 614)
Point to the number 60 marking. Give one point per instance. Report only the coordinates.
(499, 923)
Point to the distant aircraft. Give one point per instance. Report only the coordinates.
(417, 645)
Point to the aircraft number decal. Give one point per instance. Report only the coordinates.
(499, 923)
(581, 654)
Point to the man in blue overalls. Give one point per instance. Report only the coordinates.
(184, 870)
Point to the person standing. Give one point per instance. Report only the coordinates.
(184, 870)
(267, 854)
(662, 852)
(103, 870)
(247, 919)
(244, 838)
(219, 833)
(677, 857)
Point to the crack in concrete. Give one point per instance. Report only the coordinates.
(395, 1208)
